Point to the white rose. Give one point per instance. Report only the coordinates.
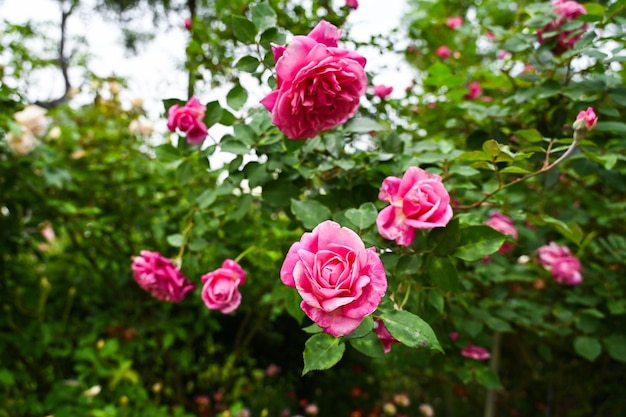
(33, 118)
(22, 144)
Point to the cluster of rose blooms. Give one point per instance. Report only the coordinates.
(31, 124)
(319, 86)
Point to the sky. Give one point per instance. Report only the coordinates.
(153, 73)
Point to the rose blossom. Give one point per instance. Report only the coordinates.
(565, 40)
(160, 277)
(475, 90)
(319, 84)
(22, 144)
(383, 335)
(566, 270)
(382, 90)
(187, 24)
(504, 225)
(33, 118)
(549, 254)
(418, 201)
(188, 119)
(340, 281)
(454, 22)
(586, 119)
(221, 287)
(353, 4)
(475, 352)
(443, 52)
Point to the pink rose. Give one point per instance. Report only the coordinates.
(586, 119)
(221, 287)
(382, 90)
(353, 4)
(565, 40)
(319, 84)
(475, 352)
(549, 254)
(566, 270)
(454, 22)
(339, 280)
(454, 336)
(188, 119)
(475, 90)
(417, 201)
(187, 24)
(443, 52)
(504, 225)
(383, 335)
(160, 277)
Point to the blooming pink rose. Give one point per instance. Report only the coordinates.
(454, 22)
(475, 352)
(188, 119)
(353, 4)
(221, 287)
(418, 201)
(382, 90)
(319, 84)
(443, 52)
(504, 225)
(566, 270)
(384, 336)
(339, 280)
(565, 40)
(549, 254)
(475, 90)
(160, 277)
(586, 118)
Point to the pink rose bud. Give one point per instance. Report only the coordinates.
(221, 287)
(353, 4)
(188, 119)
(475, 90)
(383, 335)
(454, 22)
(586, 119)
(443, 52)
(504, 225)
(160, 277)
(319, 84)
(475, 352)
(340, 281)
(418, 200)
(187, 24)
(382, 90)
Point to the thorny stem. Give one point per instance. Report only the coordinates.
(547, 166)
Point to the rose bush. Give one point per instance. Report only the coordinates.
(319, 84)
(339, 280)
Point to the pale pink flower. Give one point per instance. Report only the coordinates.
(454, 22)
(565, 40)
(418, 200)
(586, 119)
(340, 281)
(221, 287)
(160, 277)
(504, 225)
(549, 254)
(475, 352)
(319, 84)
(383, 335)
(443, 52)
(475, 90)
(33, 118)
(353, 4)
(21, 144)
(382, 90)
(188, 119)
(503, 54)
(566, 270)
(427, 410)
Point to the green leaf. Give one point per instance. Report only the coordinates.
(237, 97)
(615, 345)
(207, 198)
(571, 231)
(198, 244)
(587, 347)
(230, 144)
(364, 216)
(476, 242)
(369, 345)
(531, 135)
(487, 377)
(444, 240)
(618, 127)
(263, 16)
(366, 326)
(312, 329)
(292, 301)
(322, 351)
(175, 240)
(184, 172)
(310, 212)
(213, 113)
(363, 125)
(442, 272)
(248, 64)
(243, 29)
(167, 153)
(6, 378)
(410, 329)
